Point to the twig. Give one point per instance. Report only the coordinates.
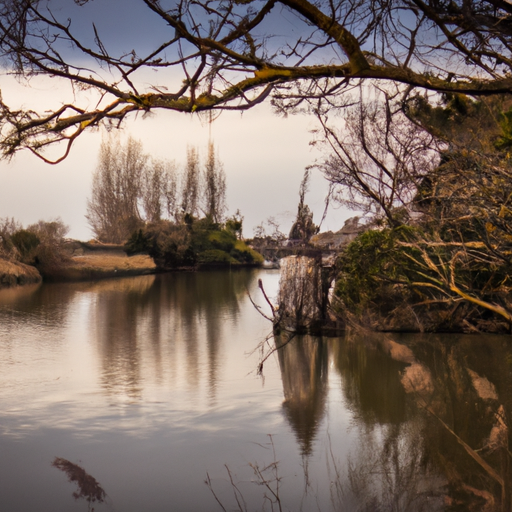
(208, 482)
(260, 285)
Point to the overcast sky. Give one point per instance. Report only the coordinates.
(264, 155)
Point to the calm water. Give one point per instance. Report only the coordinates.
(150, 385)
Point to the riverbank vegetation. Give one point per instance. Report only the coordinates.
(39, 249)
(176, 218)
(437, 254)
(194, 243)
(131, 190)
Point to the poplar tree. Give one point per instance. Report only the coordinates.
(214, 186)
(190, 185)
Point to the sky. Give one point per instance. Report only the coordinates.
(264, 155)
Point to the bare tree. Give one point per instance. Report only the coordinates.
(113, 210)
(375, 162)
(227, 60)
(190, 190)
(214, 189)
(152, 188)
(170, 190)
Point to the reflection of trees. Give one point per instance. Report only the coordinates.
(467, 429)
(119, 308)
(46, 305)
(370, 382)
(388, 472)
(462, 385)
(303, 364)
(140, 317)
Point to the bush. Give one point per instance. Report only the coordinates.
(370, 268)
(198, 241)
(215, 257)
(167, 243)
(8, 226)
(244, 254)
(138, 243)
(50, 254)
(223, 240)
(26, 243)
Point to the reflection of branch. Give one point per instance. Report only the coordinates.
(208, 482)
(262, 480)
(271, 350)
(472, 453)
(271, 484)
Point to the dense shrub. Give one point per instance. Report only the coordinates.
(375, 271)
(196, 242)
(400, 278)
(41, 244)
(26, 243)
(137, 243)
(50, 254)
(245, 254)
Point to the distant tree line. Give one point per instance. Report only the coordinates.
(131, 189)
(177, 217)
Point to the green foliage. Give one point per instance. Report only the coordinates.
(223, 240)
(235, 225)
(504, 141)
(243, 253)
(380, 270)
(196, 242)
(361, 268)
(215, 257)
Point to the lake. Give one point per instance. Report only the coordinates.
(150, 385)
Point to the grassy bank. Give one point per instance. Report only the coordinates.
(102, 265)
(14, 273)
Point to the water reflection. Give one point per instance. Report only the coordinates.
(371, 381)
(304, 364)
(46, 306)
(460, 385)
(144, 382)
(167, 313)
(469, 413)
(388, 471)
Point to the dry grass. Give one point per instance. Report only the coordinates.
(13, 273)
(103, 264)
(113, 262)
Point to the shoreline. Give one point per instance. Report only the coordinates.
(94, 266)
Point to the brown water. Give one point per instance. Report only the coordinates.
(149, 384)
